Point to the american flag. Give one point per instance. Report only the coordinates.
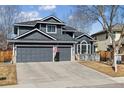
(55, 49)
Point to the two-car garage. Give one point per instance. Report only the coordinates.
(41, 53)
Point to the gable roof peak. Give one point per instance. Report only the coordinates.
(52, 16)
(32, 23)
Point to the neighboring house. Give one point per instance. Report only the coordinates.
(122, 48)
(49, 39)
(103, 40)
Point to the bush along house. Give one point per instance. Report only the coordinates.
(48, 40)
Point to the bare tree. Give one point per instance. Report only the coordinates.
(79, 21)
(8, 16)
(3, 41)
(109, 17)
(27, 16)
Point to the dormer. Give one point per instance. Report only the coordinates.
(69, 30)
(51, 25)
(51, 29)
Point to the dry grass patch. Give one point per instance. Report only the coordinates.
(104, 68)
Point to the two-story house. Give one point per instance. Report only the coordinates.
(48, 40)
(103, 40)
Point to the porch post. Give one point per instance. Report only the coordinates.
(90, 48)
(80, 48)
(87, 48)
(53, 53)
(14, 54)
(73, 53)
(15, 49)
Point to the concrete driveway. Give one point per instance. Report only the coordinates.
(59, 74)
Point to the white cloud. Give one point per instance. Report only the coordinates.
(70, 17)
(26, 16)
(47, 7)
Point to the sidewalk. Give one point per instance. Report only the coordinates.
(118, 79)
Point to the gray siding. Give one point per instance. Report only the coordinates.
(59, 30)
(52, 20)
(43, 28)
(23, 30)
(34, 54)
(36, 36)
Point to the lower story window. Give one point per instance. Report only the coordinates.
(89, 48)
(83, 48)
(78, 49)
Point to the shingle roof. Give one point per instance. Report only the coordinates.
(68, 28)
(78, 34)
(64, 37)
(58, 37)
(97, 33)
(116, 28)
(34, 22)
(28, 22)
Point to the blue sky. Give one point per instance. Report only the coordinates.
(61, 11)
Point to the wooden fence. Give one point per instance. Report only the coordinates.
(105, 55)
(5, 56)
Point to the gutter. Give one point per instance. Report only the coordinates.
(31, 41)
(39, 22)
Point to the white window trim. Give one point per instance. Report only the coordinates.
(89, 48)
(18, 31)
(84, 35)
(78, 49)
(51, 32)
(86, 47)
(83, 41)
(83, 44)
(93, 48)
(40, 26)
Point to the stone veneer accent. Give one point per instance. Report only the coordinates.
(8, 74)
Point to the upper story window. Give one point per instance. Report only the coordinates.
(51, 29)
(16, 30)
